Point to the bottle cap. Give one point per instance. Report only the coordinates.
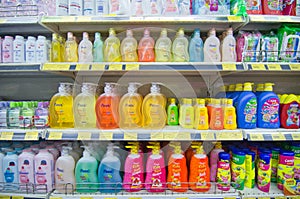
(180, 32)
(89, 87)
(253, 154)
(224, 157)
(198, 146)
(9, 37)
(217, 102)
(164, 32)
(172, 101)
(229, 101)
(248, 86)
(239, 87)
(41, 37)
(188, 101)
(260, 87)
(287, 153)
(155, 88)
(231, 87)
(129, 33)
(85, 35)
(133, 87)
(70, 35)
(200, 101)
(18, 37)
(97, 35)
(146, 32)
(265, 158)
(31, 38)
(268, 86)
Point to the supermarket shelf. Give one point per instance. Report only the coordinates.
(19, 134)
(272, 66)
(272, 134)
(19, 67)
(4, 195)
(256, 193)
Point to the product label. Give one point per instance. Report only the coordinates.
(146, 51)
(229, 116)
(154, 7)
(131, 111)
(213, 52)
(111, 51)
(64, 109)
(114, 6)
(99, 7)
(293, 113)
(285, 170)
(107, 112)
(82, 113)
(223, 175)
(202, 181)
(41, 121)
(163, 51)
(275, 4)
(270, 45)
(85, 175)
(270, 111)
(41, 172)
(3, 118)
(274, 165)
(41, 54)
(250, 172)
(13, 118)
(250, 111)
(75, 7)
(176, 174)
(25, 171)
(155, 111)
(297, 168)
(136, 181)
(9, 172)
(19, 52)
(251, 47)
(129, 51)
(171, 7)
(7, 52)
(253, 5)
(156, 181)
(189, 117)
(238, 172)
(26, 119)
(263, 176)
(30, 52)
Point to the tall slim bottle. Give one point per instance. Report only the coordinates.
(71, 50)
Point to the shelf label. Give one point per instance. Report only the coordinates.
(56, 66)
(106, 135)
(132, 66)
(295, 66)
(229, 135)
(207, 136)
(234, 18)
(31, 135)
(84, 136)
(257, 18)
(182, 198)
(296, 136)
(109, 198)
(274, 67)
(84, 19)
(278, 137)
(170, 136)
(157, 136)
(229, 197)
(17, 197)
(228, 66)
(280, 197)
(135, 198)
(86, 198)
(82, 66)
(256, 137)
(183, 136)
(6, 135)
(4, 197)
(250, 198)
(264, 198)
(98, 67)
(115, 67)
(130, 136)
(258, 67)
(56, 197)
(55, 135)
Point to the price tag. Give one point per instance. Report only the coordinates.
(295, 66)
(106, 135)
(55, 197)
(110, 198)
(257, 18)
(68, 19)
(228, 66)
(250, 198)
(56, 66)
(228, 136)
(2, 21)
(278, 137)
(84, 19)
(234, 18)
(84, 136)
(258, 67)
(280, 197)
(183, 136)
(82, 67)
(207, 136)
(31, 135)
(134, 198)
(229, 197)
(4, 197)
(264, 197)
(182, 198)
(86, 198)
(256, 137)
(130, 135)
(6, 135)
(98, 66)
(115, 67)
(274, 67)
(170, 136)
(55, 135)
(132, 66)
(296, 136)
(17, 197)
(157, 136)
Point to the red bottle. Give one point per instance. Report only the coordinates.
(290, 112)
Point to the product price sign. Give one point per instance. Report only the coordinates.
(170, 136)
(115, 67)
(296, 136)
(80, 67)
(229, 197)
(207, 136)
(130, 136)
(257, 18)
(182, 198)
(229, 66)
(258, 67)
(4, 197)
(55, 135)
(6, 135)
(31, 135)
(110, 198)
(86, 198)
(83, 135)
(55, 197)
(233, 18)
(295, 66)
(280, 197)
(132, 66)
(251, 198)
(278, 137)
(264, 198)
(56, 67)
(229, 135)
(17, 197)
(256, 137)
(106, 135)
(183, 136)
(135, 198)
(274, 67)
(157, 136)
(98, 67)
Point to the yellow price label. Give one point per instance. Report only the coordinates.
(229, 197)
(274, 67)
(98, 67)
(250, 198)
(258, 67)
(106, 135)
(157, 136)
(296, 136)
(228, 66)
(84, 19)
(110, 198)
(234, 18)
(264, 197)
(2, 21)
(130, 135)
(84, 136)
(207, 136)
(55, 197)
(182, 198)
(229, 136)
(170, 135)
(132, 66)
(257, 18)
(86, 197)
(280, 197)
(4, 197)
(134, 198)
(55, 135)
(295, 66)
(183, 136)
(31, 135)
(56, 66)
(82, 66)
(115, 67)
(6, 135)
(17, 197)
(278, 137)
(256, 137)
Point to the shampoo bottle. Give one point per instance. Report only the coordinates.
(212, 47)
(129, 48)
(238, 169)
(163, 47)
(201, 115)
(223, 172)
(146, 48)
(228, 47)
(85, 49)
(55, 49)
(214, 155)
(229, 115)
(186, 118)
(217, 116)
(112, 47)
(290, 112)
(180, 47)
(10, 171)
(173, 114)
(196, 47)
(264, 172)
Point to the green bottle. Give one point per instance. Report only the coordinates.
(173, 113)
(26, 115)
(238, 168)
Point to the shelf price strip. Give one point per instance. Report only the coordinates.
(256, 137)
(258, 67)
(84, 136)
(130, 136)
(229, 66)
(106, 136)
(278, 137)
(56, 67)
(296, 136)
(6, 135)
(17, 197)
(55, 135)
(274, 67)
(207, 136)
(295, 67)
(132, 67)
(31, 135)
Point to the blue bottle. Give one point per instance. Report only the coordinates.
(246, 108)
(196, 47)
(231, 90)
(235, 95)
(10, 171)
(268, 108)
(109, 172)
(259, 89)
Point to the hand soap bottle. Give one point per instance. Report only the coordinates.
(180, 47)
(163, 47)
(146, 48)
(112, 47)
(129, 48)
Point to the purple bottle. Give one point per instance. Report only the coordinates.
(41, 116)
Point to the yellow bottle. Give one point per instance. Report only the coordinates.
(71, 52)
(129, 48)
(130, 108)
(61, 107)
(201, 115)
(112, 47)
(186, 119)
(154, 109)
(62, 42)
(84, 107)
(55, 49)
(229, 116)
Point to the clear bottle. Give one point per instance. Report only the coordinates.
(30, 49)
(129, 48)
(62, 42)
(163, 47)
(146, 48)
(180, 47)
(71, 51)
(3, 116)
(196, 47)
(7, 49)
(41, 49)
(55, 49)
(41, 116)
(112, 47)
(98, 48)
(19, 49)
(85, 49)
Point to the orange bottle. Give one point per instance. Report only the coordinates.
(146, 48)
(177, 170)
(199, 177)
(216, 116)
(107, 108)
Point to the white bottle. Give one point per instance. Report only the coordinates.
(10, 171)
(212, 47)
(19, 49)
(85, 49)
(41, 49)
(30, 50)
(7, 49)
(101, 7)
(75, 7)
(26, 169)
(229, 47)
(88, 7)
(64, 172)
(62, 7)
(1, 169)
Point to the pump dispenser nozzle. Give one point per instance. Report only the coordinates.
(198, 146)
(155, 87)
(133, 87)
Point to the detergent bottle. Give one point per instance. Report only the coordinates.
(235, 95)
(229, 115)
(268, 108)
(154, 108)
(85, 49)
(84, 106)
(10, 171)
(61, 107)
(71, 49)
(196, 47)
(112, 47)
(173, 114)
(129, 48)
(223, 172)
(26, 169)
(216, 118)
(212, 47)
(180, 47)
(228, 47)
(199, 170)
(109, 172)
(250, 169)
(296, 149)
(107, 106)
(98, 48)
(186, 116)
(230, 91)
(238, 169)
(259, 89)
(201, 115)
(290, 112)
(285, 170)
(130, 108)
(146, 48)
(64, 172)
(213, 160)
(163, 47)
(86, 173)
(246, 108)
(177, 170)
(264, 172)
(134, 169)
(274, 163)
(155, 171)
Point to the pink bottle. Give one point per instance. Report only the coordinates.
(7, 49)
(44, 171)
(26, 170)
(213, 160)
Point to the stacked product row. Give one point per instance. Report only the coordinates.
(152, 167)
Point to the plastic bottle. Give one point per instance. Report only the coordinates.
(180, 47)
(214, 156)
(250, 169)
(26, 116)
(85, 49)
(268, 108)
(163, 47)
(184, 7)
(112, 47)
(130, 108)
(106, 108)
(199, 170)
(154, 109)
(10, 171)
(26, 169)
(137, 8)
(170, 8)
(44, 170)
(177, 170)
(62, 7)
(7, 49)
(41, 49)
(1, 168)
(296, 149)
(134, 170)
(41, 116)
(231, 89)
(30, 50)
(235, 95)
(274, 163)
(264, 172)
(223, 172)
(272, 7)
(173, 115)
(71, 49)
(101, 7)
(146, 48)
(259, 89)
(238, 169)
(216, 118)
(62, 46)
(246, 108)
(285, 170)
(3, 116)
(289, 115)
(13, 114)
(187, 117)
(196, 47)
(75, 7)
(129, 48)
(19, 49)
(86, 173)
(229, 115)
(61, 107)
(89, 7)
(119, 7)
(55, 49)
(228, 47)
(84, 107)
(98, 48)
(212, 47)
(201, 115)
